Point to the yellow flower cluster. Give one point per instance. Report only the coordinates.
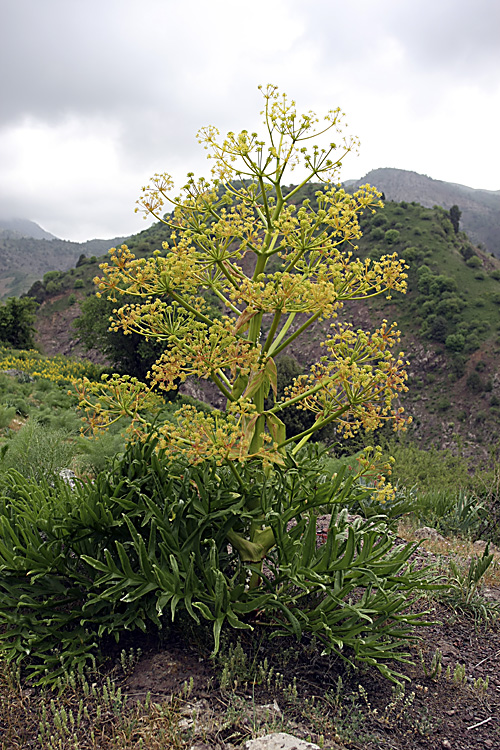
(205, 351)
(198, 436)
(105, 402)
(242, 238)
(356, 383)
(58, 369)
(157, 275)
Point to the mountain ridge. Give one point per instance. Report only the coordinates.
(24, 228)
(480, 208)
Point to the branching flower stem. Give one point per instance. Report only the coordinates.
(242, 237)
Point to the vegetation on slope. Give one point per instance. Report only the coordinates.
(480, 208)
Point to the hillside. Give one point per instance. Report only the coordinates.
(480, 208)
(24, 260)
(450, 321)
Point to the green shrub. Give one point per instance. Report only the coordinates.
(455, 342)
(97, 455)
(443, 403)
(411, 254)
(415, 467)
(377, 234)
(474, 382)
(7, 414)
(52, 287)
(379, 220)
(472, 343)
(21, 406)
(391, 236)
(37, 451)
(451, 511)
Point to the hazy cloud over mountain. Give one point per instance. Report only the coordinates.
(97, 95)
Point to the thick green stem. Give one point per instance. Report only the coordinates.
(222, 388)
(223, 269)
(272, 331)
(316, 426)
(182, 302)
(301, 396)
(225, 301)
(297, 333)
(236, 473)
(282, 333)
(257, 441)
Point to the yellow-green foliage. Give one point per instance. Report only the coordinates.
(242, 237)
(58, 369)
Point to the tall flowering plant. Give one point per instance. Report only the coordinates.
(277, 268)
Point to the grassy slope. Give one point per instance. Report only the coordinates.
(454, 395)
(23, 260)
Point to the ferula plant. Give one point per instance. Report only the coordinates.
(276, 268)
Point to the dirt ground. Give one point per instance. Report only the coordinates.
(435, 712)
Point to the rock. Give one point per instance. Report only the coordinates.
(481, 545)
(425, 532)
(69, 477)
(279, 741)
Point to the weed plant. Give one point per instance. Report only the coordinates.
(465, 592)
(38, 451)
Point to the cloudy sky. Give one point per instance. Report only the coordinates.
(97, 95)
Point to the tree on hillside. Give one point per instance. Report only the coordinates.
(455, 215)
(17, 318)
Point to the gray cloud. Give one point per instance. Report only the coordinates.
(116, 90)
(459, 37)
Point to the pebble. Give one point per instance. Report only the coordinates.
(446, 744)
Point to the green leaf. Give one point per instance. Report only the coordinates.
(277, 428)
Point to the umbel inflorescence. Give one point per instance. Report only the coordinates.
(276, 268)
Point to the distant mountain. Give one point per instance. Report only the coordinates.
(24, 228)
(25, 259)
(480, 208)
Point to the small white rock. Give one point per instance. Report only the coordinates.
(279, 741)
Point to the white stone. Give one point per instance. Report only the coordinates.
(279, 741)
